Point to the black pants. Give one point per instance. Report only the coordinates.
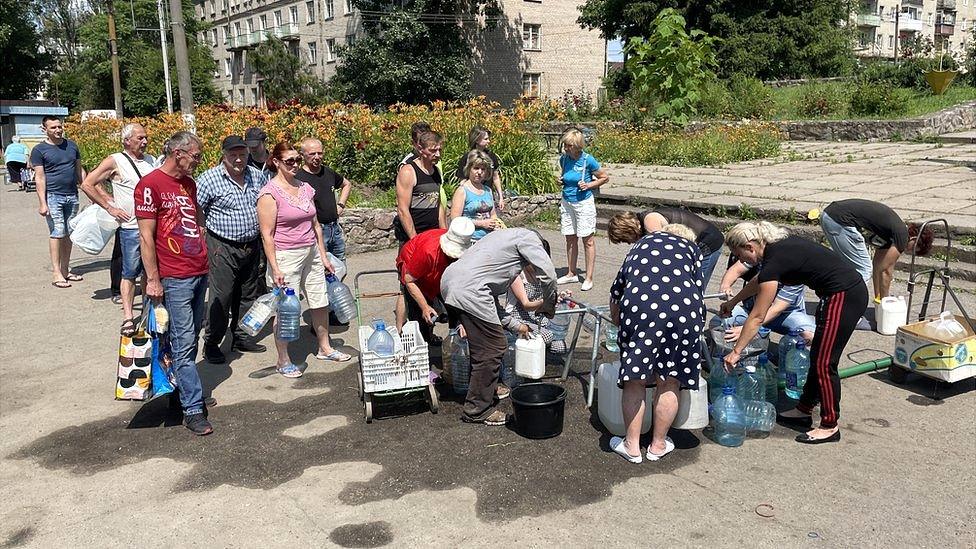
(234, 285)
(13, 171)
(486, 348)
(115, 271)
(837, 316)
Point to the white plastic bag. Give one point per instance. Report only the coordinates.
(92, 229)
(340, 267)
(946, 327)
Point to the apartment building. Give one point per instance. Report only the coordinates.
(535, 48)
(883, 25)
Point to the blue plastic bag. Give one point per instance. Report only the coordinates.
(162, 376)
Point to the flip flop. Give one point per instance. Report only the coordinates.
(668, 448)
(128, 327)
(61, 284)
(74, 278)
(618, 446)
(290, 370)
(335, 355)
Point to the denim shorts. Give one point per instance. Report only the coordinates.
(849, 243)
(131, 260)
(61, 209)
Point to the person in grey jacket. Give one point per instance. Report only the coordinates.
(471, 287)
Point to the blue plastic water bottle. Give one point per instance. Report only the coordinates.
(289, 316)
(786, 344)
(380, 341)
(730, 419)
(797, 366)
(750, 386)
(340, 299)
(770, 379)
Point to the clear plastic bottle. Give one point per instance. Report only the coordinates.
(559, 324)
(797, 366)
(460, 362)
(750, 385)
(730, 419)
(340, 299)
(760, 416)
(507, 374)
(786, 344)
(289, 316)
(718, 379)
(610, 335)
(260, 312)
(380, 341)
(770, 380)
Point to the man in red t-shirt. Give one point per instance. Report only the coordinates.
(422, 261)
(174, 255)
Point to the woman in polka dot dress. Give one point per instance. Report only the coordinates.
(657, 301)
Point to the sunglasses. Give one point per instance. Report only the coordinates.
(196, 157)
(294, 161)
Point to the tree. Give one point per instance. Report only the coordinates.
(285, 75)
(87, 84)
(413, 54)
(20, 42)
(60, 22)
(768, 40)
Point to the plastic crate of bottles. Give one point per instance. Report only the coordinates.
(408, 367)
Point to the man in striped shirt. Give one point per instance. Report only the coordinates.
(228, 194)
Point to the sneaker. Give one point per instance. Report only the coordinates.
(502, 392)
(248, 346)
(213, 354)
(587, 285)
(198, 425)
(568, 279)
(495, 419)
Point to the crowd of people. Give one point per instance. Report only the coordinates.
(207, 246)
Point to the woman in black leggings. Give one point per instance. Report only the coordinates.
(843, 297)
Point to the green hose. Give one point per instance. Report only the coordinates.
(858, 369)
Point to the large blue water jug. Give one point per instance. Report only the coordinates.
(380, 341)
(769, 377)
(459, 360)
(718, 379)
(797, 366)
(340, 299)
(750, 386)
(786, 344)
(289, 316)
(730, 419)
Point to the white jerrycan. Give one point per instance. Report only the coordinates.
(692, 407)
(530, 357)
(609, 397)
(892, 313)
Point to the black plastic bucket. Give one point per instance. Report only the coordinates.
(539, 409)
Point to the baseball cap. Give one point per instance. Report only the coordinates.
(254, 136)
(232, 142)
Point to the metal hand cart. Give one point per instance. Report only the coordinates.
(407, 371)
(895, 372)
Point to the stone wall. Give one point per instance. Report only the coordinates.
(371, 229)
(954, 119)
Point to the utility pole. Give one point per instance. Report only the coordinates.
(897, 16)
(165, 48)
(182, 60)
(114, 51)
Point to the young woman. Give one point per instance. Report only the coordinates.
(295, 249)
(792, 260)
(478, 140)
(580, 173)
(472, 199)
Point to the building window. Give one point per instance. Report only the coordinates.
(226, 32)
(350, 39)
(237, 29)
(891, 41)
(530, 84)
(225, 5)
(213, 8)
(313, 53)
(293, 15)
(240, 95)
(227, 68)
(330, 47)
(254, 97)
(310, 8)
(250, 26)
(328, 9)
(531, 37)
(277, 18)
(213, 36)
(347, 6)
(263, 23)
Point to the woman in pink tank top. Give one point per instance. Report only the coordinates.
(293, 244)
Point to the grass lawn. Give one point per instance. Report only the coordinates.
(919, 103)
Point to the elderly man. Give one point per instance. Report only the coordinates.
(228, 195)
(326, 183)
(471, 287)
(174, 255)
(124, 170)
(57, 173)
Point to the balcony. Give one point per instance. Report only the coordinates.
(945, 25)
(946, 5)
(234, 43)
(907, 24)
(868, 20)
(912, 3)
(287, 31)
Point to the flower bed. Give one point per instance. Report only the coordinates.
(711, 145)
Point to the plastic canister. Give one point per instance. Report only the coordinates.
(692, 407)
(892, 314)
(609, 397)
(530, 357)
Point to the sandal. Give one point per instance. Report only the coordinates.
(290, 371)
(73, 277)
(61, 284)
(336, 355)
(128, 327)
(668, 448)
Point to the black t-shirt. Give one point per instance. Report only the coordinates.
(884, 226)
(709, 238)
(463, 161)
(325, 183)
(252, 162)
(796, 260)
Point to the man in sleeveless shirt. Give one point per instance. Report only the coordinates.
(123, 170)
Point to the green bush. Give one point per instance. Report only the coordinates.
(907, 73)
(714, 145)
(750, 98)
(714, 100)
(877, 99)
(821, 101)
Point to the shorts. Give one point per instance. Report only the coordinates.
(61, 209)
(131, 260)
(304, 273)
(578, 218)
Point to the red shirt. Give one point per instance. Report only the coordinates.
(423, 259)
(181, 251)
